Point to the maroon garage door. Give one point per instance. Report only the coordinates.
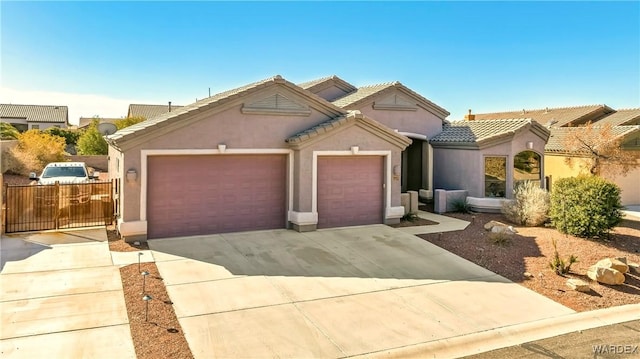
(191, 195)
(350, 191)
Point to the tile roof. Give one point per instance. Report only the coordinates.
(558, 136)
(557, 117)
(629, 116)
(473, 133)
(214, 100)
(36, 113)
(366, 93)
(321, 82)
(86, 121)
(149, 111)
(335, 123)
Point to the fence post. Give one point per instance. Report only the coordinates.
(4, 208)
(57, 206)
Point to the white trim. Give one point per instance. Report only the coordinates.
(303, 218)
(394, 212)
(144, 155)
(387, 175)
(417, 136)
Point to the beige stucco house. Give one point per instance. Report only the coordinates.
(274, 154)
(34, 117)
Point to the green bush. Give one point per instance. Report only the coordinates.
(34, 150)
(70, 136)
(91, 142)
(559, 265)
(585, 206)
(8, 132)
(460, 205)
(530, 205)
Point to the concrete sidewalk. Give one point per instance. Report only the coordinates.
(61, 297)
(445, 224)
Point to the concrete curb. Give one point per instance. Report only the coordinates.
(497, 338)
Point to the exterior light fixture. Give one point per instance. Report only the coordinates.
(144, 280)
(146, 299)
(530, 145)
(132, 175)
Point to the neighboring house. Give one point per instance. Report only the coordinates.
(86, 121)
(399, 108)
(30, 117)
(562, 121)
(150, 111)
(488, 158)
(270, 154)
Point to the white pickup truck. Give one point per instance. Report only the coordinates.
(67, 173)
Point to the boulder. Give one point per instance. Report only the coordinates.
(578, 285)
(503, 229)
(605, 275)
(489, 225)
(634, 268)
(614, 263)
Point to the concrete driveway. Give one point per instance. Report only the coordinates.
(332, 293)
(61, 297)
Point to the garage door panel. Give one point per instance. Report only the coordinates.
(350, 191)
(191, 195)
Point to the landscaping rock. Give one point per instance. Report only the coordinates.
(578, 285)
(634, 268)
(527, 275)
(614, 263)
(504, 229)
(605, 275)
(622, 259)
(489, 225)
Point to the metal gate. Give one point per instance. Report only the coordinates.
(58, 206)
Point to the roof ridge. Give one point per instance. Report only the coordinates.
(627, 109)
(390, 83)
(552, 108)
(15, 104)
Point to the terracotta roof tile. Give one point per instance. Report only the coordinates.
(474, 132)
(556, 117)
(622, 117)
(149, 111)
(558, 136)
(36, 113)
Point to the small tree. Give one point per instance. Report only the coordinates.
(585, 206)
(70, 136)
(129, 121)
(600, 150)
(91, 141)
(34, 150)
(8, 132)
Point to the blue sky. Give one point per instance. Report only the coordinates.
(97, 57)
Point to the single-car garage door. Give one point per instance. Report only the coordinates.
(350, 190)
(205, 194)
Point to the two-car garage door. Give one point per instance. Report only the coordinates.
(191, 195)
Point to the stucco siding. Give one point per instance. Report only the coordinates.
(420, 121)
(331, 93)
(556, 167)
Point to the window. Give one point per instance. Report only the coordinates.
(35, 127)
(495, 176)
(526, 167)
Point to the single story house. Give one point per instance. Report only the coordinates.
(270, 154)
(561, 121)
(34, 117)
(84, 122)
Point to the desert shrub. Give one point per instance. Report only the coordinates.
(585, 206)
(460, 205)
(34, 150)
(70, 136)
(499, 238)
(410, 217)
(559, 265)
(91, 141)
(530, 205)
(8, 132)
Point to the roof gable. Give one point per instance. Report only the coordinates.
(482, 134)
(354, 118)
(320, 84)
(220, 100)
(370, 93)
(276, 104)
(36, 113)
(553, 117)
